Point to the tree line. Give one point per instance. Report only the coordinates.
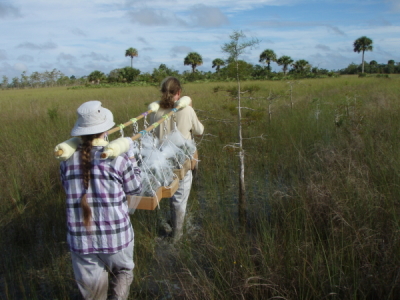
(224, 70)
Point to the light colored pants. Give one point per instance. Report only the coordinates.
(92, 270)
(178, 203)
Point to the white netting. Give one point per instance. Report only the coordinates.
(156, 169)
(174, 155)
(134, 150)
(187, 146)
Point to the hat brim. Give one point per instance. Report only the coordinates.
(100, 128)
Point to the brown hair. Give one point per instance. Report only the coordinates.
(86, 166)
(169, 88)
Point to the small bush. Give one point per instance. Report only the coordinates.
(53, 113)
(251, 88)
(382, 75)
(255, 115)
(217, 88)
(233, 91)
(231, 108)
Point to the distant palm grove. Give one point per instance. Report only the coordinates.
(224, 71)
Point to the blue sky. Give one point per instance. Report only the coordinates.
(78, 37)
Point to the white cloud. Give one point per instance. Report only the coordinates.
(180, 5)
(143, 40)
(322, 47)
(125, 31)
(152, 17)
(67, 57)
(198, 14)
(8, 10)
(78, 32)
(383, 52)
(46, 66)
(179, 50)
(395, 4)
(379, 22)
(26, 58)
(8, 70)
(96, 66)
(297, 24)
(32, 46)
(5, 69)
(20, 67)
(207, 16)
(97, 56)
(3, 54)
(332, 61)
(335, 30)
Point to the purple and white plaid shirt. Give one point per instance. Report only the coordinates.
(111, 229)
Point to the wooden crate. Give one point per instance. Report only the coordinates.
(194, 160)
(150, 203)
(169, 191)
(147, 203)
(185, 168)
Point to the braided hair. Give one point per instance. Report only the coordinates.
(86, 166)
(169, 88)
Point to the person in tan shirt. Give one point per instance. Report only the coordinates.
(187, 123)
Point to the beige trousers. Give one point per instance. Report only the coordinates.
(92, 272)
(178, 203)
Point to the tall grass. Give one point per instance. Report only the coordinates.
(323, 208)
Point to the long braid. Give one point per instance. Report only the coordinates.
(86, 165)
(169, 88)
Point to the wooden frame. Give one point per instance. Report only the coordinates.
(150, 203)
(169, 191)
(185, 168)
(195, 160)
(147, 203)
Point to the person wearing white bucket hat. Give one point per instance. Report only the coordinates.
(100, 233)
(92, 119)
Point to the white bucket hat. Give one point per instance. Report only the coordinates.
(92, 119)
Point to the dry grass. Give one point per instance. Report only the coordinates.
(322, 195)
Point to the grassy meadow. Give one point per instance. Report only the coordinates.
(322, 181)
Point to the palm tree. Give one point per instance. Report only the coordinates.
(193, 59)
(96, 76)
(390, 66)
(131, 52)
(284, 61)
(268, 55)
(373, 66)
(362, 44)
(217, 63)
(301, 66)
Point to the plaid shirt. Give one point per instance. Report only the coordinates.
(110, 181)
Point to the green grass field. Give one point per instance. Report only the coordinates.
(322, 181)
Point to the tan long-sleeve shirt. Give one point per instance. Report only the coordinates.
(186, 120)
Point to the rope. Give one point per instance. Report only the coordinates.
(121, 129)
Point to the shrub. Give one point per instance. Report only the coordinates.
(251, 88)
(52, 113)
(382, 75)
